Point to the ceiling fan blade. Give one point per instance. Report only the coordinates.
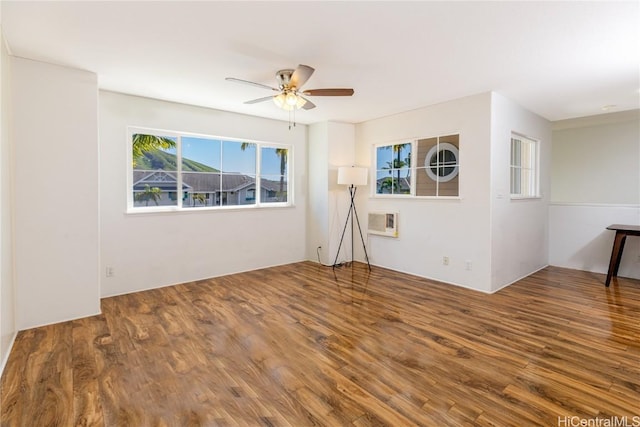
(247, 82)
(300, 76)
(308, 105)
(328, 92)
(255, 101)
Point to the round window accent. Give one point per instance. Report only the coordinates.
(441, 162)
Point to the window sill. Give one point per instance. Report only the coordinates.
(517, 198)
(410, 197)
(175, 210)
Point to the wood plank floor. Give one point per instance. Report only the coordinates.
(297, 346)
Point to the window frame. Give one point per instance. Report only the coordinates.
(179, 207)
(534, 180)
(374, 169)
(414, 169)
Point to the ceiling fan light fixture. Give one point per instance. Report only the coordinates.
(291, 99)
(279, 100)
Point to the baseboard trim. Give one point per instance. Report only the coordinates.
(518, 279)
(5, 359)
(595, 205)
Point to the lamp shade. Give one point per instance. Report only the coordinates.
(351, 175)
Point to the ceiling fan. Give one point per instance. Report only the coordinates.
(289, 90)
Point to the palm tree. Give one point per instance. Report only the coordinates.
(149, 194)
(246, 145)
(388, 185)
(397, 163)
(143, 143)
(199, 197)
(280, 152)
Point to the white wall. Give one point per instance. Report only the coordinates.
(595, 182)
(597, 159)
(579, 238)
(331, 145)
(55, 141)
(154, 250)
(317, 193)
(7, 299)
(342, 151)
(519, 228)
(428, 228)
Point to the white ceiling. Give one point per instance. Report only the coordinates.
(558, 59)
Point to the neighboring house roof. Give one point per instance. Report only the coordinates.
(199, 182)
(160, 179)
(403, 183)
(273, 185)
(209, 182)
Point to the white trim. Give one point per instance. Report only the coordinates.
(179, 185)
(374, 169)
(437, 148)
(596, 120)
(520, 278)
(414, 169)
(533, 167)
(596, 205)
(201, 279)
(460, 285)
(5, 359)
(156, 210)
(410, 197)
(178, 207)
(519, 198)
(64, 319)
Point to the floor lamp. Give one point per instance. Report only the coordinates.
(353, 177)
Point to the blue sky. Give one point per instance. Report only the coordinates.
(211, 151)
(384, 159)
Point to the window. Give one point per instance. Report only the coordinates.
(393, 169)
(208, 172)
(432, 173)
(438, 167)
(273, 174)
(524, 167)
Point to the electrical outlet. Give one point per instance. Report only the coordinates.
(468, 265)
(445, 260)
(109, 272)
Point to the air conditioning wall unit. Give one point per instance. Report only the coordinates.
(383, 224)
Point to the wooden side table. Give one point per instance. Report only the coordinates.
(622, 231)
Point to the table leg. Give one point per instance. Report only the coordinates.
(616, 256)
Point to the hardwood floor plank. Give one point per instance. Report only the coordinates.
(46, 384)
(304, 345)
(87, 405)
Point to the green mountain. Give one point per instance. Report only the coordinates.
(158, 159)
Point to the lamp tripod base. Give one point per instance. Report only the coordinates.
(352, 213)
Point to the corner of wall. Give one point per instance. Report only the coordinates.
(46, 102)
(517, 250)
(595, 182)
(8, 330)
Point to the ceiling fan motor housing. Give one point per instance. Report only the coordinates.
(283, 77)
